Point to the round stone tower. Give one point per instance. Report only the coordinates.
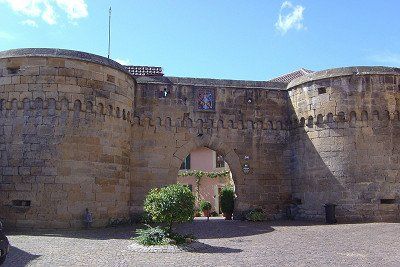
(346, 143)
(64, 138)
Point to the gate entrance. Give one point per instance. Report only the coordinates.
(206, 172)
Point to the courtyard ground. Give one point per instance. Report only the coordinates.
(226, 243)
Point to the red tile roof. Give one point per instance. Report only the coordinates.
(287, 78)
(145, 70)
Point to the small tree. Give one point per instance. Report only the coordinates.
(173, 203)
(205, 205)
(227, 199)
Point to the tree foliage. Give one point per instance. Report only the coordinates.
(227, 199)
(173, 203)
(205, 205)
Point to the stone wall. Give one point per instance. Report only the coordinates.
(169, 128)
(345, 143)
(78, 131)
(65, 139)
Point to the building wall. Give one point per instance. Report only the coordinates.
(77, 131)
(251, 132)
(204, 159)
(345, 143)
(62, 147)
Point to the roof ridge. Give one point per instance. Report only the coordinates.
(144, 70)
(288, 77)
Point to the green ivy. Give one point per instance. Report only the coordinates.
(199, 175)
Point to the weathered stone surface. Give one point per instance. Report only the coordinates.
(352, 160)
(78, 131)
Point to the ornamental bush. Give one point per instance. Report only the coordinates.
(205, 205)
(169, 204)
(256, 215)
(152, 236)
(227, 199)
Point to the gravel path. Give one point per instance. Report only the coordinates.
(227, 243)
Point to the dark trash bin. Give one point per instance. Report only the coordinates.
(291, 211)
(330, 213)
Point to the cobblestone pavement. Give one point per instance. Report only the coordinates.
(228, 243)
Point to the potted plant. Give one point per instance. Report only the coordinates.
(227, 202)
(205, 207)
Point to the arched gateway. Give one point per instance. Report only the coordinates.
(80, 131)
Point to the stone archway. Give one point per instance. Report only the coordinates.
(228, 153)
(159, 149)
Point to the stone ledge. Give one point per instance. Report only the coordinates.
(345, 71)
(63, 53)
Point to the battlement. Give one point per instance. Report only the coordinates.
(81, 131)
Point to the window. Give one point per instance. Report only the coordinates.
(190, 187)
(163, 93)
(21, 203)
(186, 163)
(321, 90)
(219, 163)
(388, 201)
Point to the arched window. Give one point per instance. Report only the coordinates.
(310, 121)
(320, 119)
(364, 115)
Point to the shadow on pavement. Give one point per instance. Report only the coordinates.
(199, 247)
(220, 228)
(120, 232)
(200, 227)
(19, 258)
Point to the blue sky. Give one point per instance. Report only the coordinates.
(232, 39)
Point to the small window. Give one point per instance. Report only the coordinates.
(190, 187)
(110, 78)
(220, 162)
(21, 203)
(186, 163)
(388, 201)
(321, 90)
(13, 70)
(163, 93)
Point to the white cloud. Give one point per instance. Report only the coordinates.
(48, 14)
(123, 61)
(6, 36)
(290, 17)
(29, 22)
(46, 9)
(75, 9)
(386, 57)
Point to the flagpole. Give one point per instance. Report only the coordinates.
(109, 31)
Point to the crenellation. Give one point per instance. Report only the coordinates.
(78, 131)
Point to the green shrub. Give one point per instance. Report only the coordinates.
(255, 215)
(197, 213)
(173, 203)
(227, 199)
(205, 205)
(152, 236)
(214, 214)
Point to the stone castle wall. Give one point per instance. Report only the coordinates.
(65, 140)
(78, 131)
(169, 128)
(345, 143)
